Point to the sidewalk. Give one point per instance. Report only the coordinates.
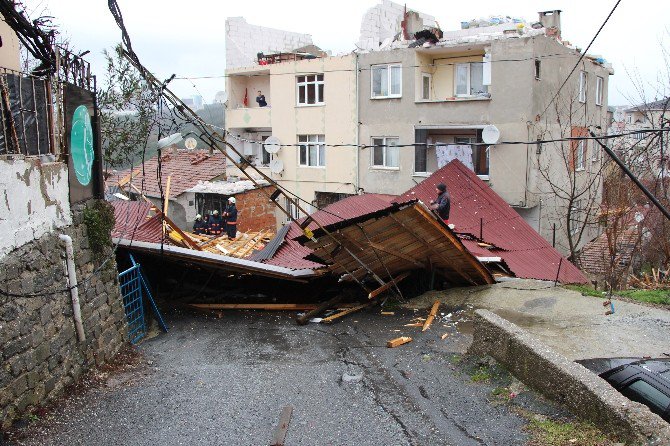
(571, 324)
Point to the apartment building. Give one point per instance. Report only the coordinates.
(441, 95)
(415, 99)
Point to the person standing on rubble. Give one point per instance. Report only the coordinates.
(442, 204)
(199, 226)
(215, 227)
(231, 219)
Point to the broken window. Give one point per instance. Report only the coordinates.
(583, 77)
(470, 79)
(310, 89)
(426, 86)
(312, 150)
(385, 152)
(600, 82)
(386, 81)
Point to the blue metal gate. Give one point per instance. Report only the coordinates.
(131, 290)
(133, 286)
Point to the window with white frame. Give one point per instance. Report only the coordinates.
(639, 136)
(580, 153)
(583, 77)
(310, 89)
(386, 81)
(426, 85)
(575, 220)
(385, 152)
(469, 79)
(600, 84)
(266, 157)
(292, 209)
(312, 150)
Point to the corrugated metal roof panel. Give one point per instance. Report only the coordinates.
(473, 203)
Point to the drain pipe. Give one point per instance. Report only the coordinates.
(72, 284)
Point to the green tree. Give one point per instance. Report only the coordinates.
(128, 112)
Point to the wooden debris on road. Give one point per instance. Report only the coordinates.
(444, 336)
(329, 319)
(282, 428)
(431, 316)
(415, 324)
(388, 285)
(302, 320)
(388, 313)
(398, 341)
(266, 307)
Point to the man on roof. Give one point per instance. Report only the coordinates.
(442, 204)
(199, 226)
(215, 224)
(231, 219)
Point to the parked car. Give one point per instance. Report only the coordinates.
(646, 381)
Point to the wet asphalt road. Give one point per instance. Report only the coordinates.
(225, 381)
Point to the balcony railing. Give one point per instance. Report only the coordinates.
(248, 117)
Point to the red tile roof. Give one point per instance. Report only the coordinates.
(521, 247)
(135, 221)
(186, 167)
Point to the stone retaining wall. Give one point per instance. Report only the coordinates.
(38, 343)
(566, 382)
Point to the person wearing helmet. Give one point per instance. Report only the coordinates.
(215, 226)
(231, 219)
(199, 226)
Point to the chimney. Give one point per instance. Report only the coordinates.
(551, 21)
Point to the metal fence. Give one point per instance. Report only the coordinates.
(130, 281)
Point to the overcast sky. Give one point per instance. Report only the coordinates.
(188, 38)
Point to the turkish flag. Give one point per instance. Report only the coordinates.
(246, 98)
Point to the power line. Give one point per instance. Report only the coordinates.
(580, 58)
(421, 144)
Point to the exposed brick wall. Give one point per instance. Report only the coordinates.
(40, 351)
(255, 210)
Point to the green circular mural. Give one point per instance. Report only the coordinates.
(81, 145)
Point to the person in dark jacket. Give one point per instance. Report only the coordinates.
(215, 224)
(442, 204)
(199, 226)
(231, 219)
(261, 99)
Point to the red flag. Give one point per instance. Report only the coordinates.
(246, 98)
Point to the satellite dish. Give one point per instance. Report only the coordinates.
(276, 166)
(169, 140)
(272, 144)
(490, 134)
(190, 143)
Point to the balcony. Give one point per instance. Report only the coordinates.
(249, 117)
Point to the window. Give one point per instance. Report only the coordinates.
(643, 392)
(537, 69)
(582, 86)
(600, 83)
(310, 89)
(575, 209)
(265, 156)
(385, 152)
(638, 136)
(469, 79)
(426, 86)
(292, 209)
(480, 153)
(386, 81)
(312, 150)
(579, 155)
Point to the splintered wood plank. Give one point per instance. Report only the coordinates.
(388, 285)
(431, 316)
(329, 319)
(398, 341)
(282, 428)
(267, 307)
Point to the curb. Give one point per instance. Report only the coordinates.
(568, 383)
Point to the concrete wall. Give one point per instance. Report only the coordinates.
(382, 22)
(34, 200)
(40, 351)
(568, 383)
(244, 41)
(9, 51)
